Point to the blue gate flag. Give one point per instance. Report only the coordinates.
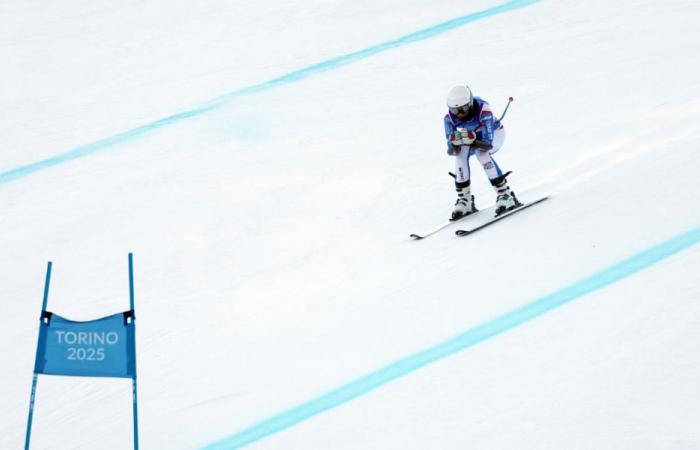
(98, 348)
(103, 347)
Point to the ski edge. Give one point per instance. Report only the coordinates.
(462, 233)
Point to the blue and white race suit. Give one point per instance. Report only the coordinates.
(481, 121)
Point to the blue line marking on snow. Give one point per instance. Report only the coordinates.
(292, 77)
(467, 339)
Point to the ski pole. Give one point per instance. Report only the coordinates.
(510, 100)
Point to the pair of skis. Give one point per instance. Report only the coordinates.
(493, 219)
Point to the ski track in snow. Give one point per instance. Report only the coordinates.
(609, 155)
(292, 77)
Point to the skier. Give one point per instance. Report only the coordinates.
(471, 129)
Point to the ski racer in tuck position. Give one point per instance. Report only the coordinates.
(471, 129)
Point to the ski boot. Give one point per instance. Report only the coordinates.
(505, 197)
(465, 201)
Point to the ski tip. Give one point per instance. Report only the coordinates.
(416, 237)
(462, 232)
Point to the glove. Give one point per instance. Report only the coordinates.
(462, 136)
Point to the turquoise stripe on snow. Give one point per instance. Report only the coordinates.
(292, 77)
(460, 342)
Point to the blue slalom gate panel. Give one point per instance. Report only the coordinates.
(97, 348)
(103, 347)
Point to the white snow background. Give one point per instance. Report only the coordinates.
(270, 232)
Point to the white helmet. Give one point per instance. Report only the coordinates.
(459, 99)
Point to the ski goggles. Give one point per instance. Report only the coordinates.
(459, 109)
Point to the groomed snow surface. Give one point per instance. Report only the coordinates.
(270, 228)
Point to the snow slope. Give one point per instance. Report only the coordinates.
(270, 232)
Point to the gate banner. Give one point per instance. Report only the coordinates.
(103, 347)
(98, 348)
